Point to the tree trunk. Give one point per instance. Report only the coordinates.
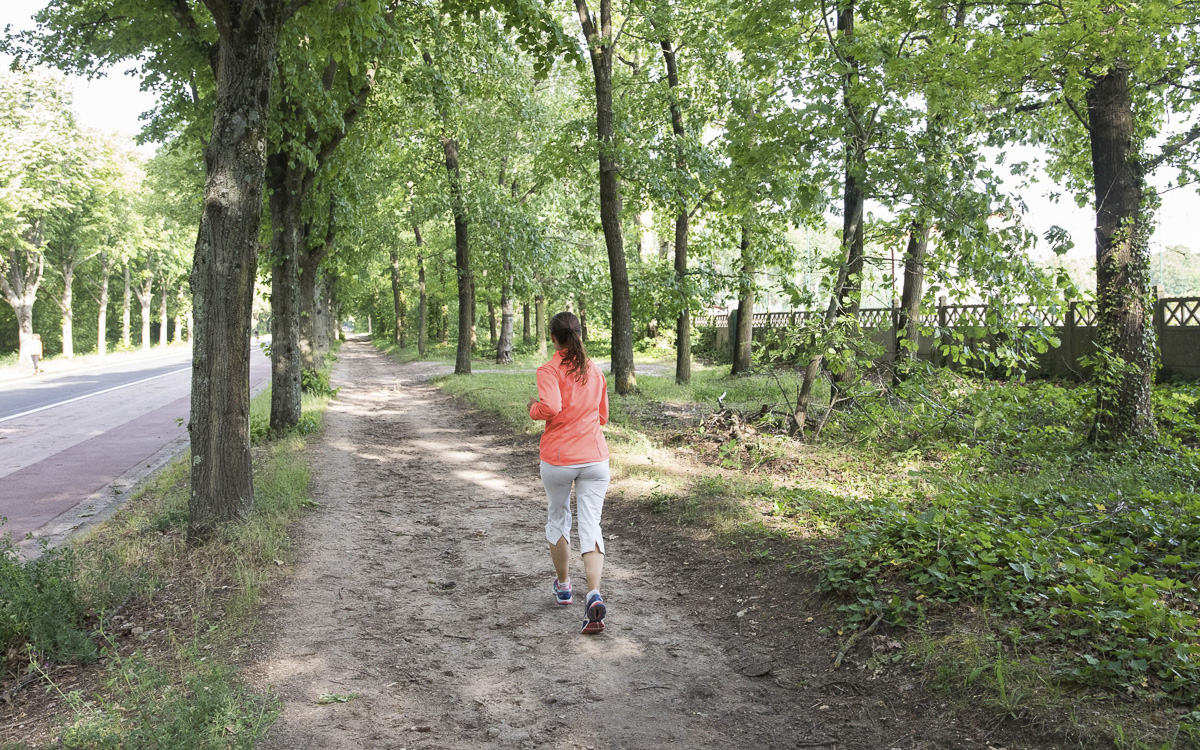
(224, 266)
(315, 297)
(125, 337)
(539, 304)
(525, 336)
(853, 194)
(395, 257)
(504, 348)
(423, 305)
(68, 311)
(462, 261)
(146, 299)
(743, 340)
(163, 320)
(474, 316)
(600, 47)
(102, 313)
(445, 337)
(19, 282)
(683, 326)
(583, 328)
(908, 317)
(285, 203)
(1122, 262)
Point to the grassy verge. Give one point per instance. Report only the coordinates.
(162, 622)
(1033, 572)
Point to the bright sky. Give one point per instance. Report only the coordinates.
(113, 103)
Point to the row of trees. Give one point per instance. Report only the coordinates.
(637, 162)
(79, 211)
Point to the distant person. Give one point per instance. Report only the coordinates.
(35, 353)
(573, 401)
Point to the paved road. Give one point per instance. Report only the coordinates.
(72, 442)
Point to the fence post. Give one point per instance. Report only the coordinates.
(943, 321)
(1069, 338)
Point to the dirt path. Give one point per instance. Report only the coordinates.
(422, 587)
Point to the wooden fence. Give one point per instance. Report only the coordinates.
(1176, 321)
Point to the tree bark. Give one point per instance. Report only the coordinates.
(423, 305)
(908, 317)
(600, 48)
(67, 306)
(744, 336)
(462, 261)
(285, 203)
(163, 320)
(504, 348)
(539, 305)
(683, 325)
(583, 327)
(525, 336)
(395, 258)
(146, 299)
(125, 304)
(853, 194)
(1122, 261)
(102, 313)
(19, 283)
(491, 322)
(223, 269)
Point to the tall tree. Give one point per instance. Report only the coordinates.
(602, 51)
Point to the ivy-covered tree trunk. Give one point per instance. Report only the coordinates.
(102, 301)
(224, 266)
(1123, 408)
(600, 48)
(285, 203)
(423, 305)
(744, 335)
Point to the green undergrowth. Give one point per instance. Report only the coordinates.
(1032, 568)
(164, 617)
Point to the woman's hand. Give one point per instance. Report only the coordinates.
(532, 401)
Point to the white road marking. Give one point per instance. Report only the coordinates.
(97, 393)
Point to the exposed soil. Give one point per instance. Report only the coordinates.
(422, 598)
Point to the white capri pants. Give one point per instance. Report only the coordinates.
(591, 484)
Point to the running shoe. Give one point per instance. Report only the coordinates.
(562, 593)
(595, 616)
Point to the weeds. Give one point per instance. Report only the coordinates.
(177, 690)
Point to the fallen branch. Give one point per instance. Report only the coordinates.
(854, 639)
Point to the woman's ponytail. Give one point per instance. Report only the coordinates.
(565, 329)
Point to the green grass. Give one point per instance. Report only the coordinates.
(184, 693)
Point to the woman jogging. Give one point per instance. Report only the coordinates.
(573, 401)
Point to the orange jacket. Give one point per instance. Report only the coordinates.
(573, 412)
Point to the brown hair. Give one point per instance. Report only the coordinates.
(566, 330)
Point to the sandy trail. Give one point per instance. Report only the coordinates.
(422, 587)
